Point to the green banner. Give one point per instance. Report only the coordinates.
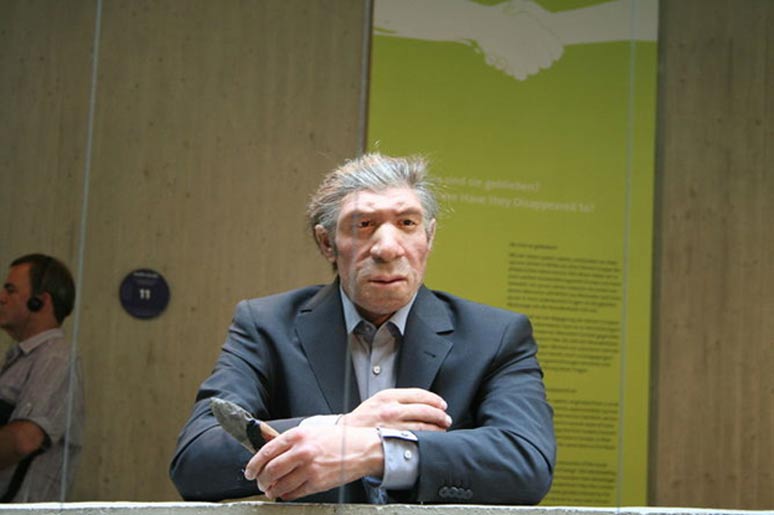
(539, 119)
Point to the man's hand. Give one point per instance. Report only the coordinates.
(303, 461)
(413, 409)
(307, 460)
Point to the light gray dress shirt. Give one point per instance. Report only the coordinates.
(35, 378)
(374, 351)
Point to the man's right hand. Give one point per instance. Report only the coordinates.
(413, 409)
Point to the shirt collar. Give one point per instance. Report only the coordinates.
(352, 316)
(32, 343)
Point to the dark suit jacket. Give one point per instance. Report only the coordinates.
(286, 358)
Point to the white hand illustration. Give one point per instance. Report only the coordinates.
(518, 37)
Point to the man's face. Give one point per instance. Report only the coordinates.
(14, 315)
(381, 249)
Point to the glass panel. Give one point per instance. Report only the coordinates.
(539, 120)
(46, 65)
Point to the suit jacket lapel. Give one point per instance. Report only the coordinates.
(423, 348)
(320, 328)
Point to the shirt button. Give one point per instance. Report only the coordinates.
(377, 370)
(407, 455)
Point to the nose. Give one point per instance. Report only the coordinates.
(387, 245)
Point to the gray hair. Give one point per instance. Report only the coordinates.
(372, 172)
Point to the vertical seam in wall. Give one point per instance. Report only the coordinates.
(365, 68)
(652, 493)
(625, 261)
(81, 243)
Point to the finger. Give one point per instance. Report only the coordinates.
(416, 426)
(289, 487)
(422, 413)
(415, 396)
(276, 470)
(264, 455)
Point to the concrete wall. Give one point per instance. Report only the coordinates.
(713, 391)
(212, 123)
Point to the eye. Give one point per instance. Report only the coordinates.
(408, 223)
(361, 224)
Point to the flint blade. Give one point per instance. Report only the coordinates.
(237, 422)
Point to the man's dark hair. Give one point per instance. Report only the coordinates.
(49, 275)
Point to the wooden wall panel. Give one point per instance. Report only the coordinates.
(44, 77)
(45, 70)
(713, 431)
(215, 121)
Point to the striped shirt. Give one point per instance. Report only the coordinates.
(35, 379)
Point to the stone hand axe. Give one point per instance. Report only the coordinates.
(237, 422)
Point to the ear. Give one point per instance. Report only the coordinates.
(45, 301)
(324, 243)
(431, 234)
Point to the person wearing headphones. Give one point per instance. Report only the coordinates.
(39, 398)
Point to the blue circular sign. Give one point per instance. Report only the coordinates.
(144, 293)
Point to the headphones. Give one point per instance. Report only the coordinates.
(35, 303)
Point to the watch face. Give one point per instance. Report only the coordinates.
(144, 293)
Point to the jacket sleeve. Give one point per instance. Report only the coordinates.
(208, 463)
(508, 452)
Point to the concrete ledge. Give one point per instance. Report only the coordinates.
(269, 508)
